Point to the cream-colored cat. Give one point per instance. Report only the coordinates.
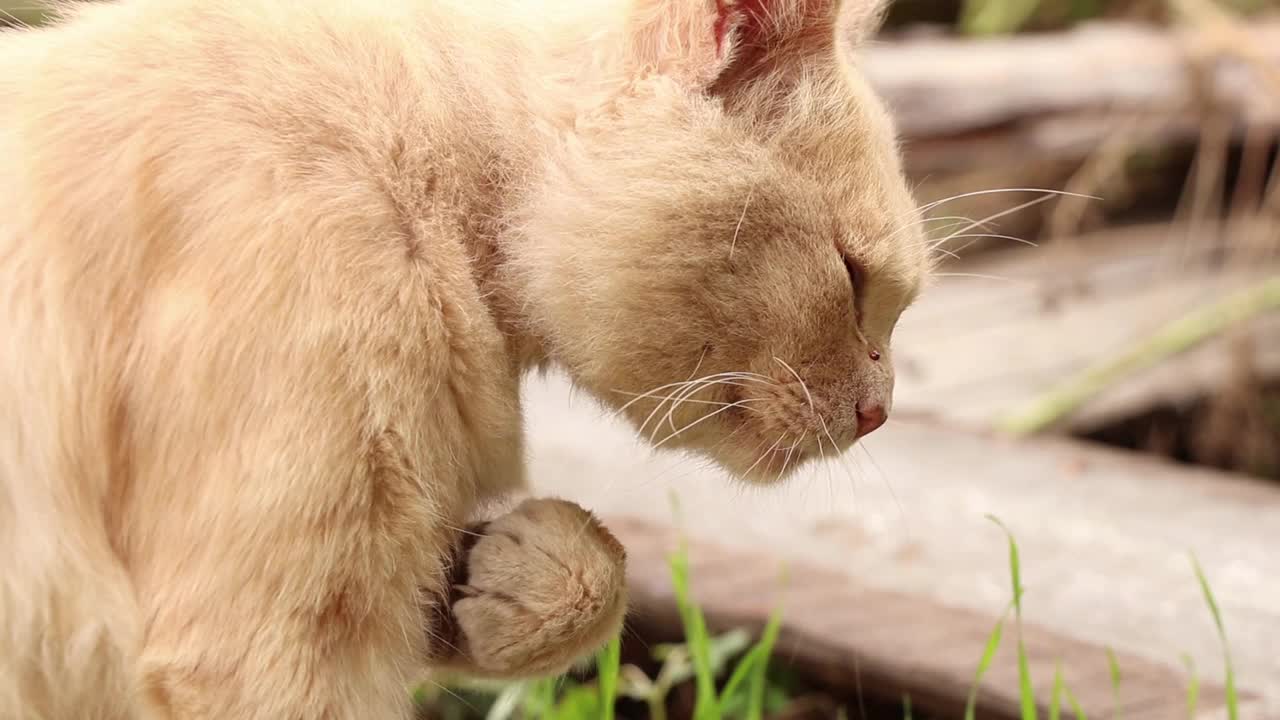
(271, 271)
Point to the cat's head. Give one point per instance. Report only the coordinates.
(725, 247)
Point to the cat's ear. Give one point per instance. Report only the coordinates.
(697, 41)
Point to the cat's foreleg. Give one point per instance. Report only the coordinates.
(534, 590)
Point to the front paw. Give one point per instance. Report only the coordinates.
(543, 587)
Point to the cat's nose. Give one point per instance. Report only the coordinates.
(870, 418)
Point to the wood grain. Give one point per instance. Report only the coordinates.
(889, 644)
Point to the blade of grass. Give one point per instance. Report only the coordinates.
(1233, 702)
(729, 699)
(1075, 703)
(1114, 665)
(1055, 701)
(1193, 688)
(695, 624)
(1026, 690)
(580, 703)
(695, 630)
(906, 707)
(609, 665)
(545, 691)
(760, 676)
(988, 655)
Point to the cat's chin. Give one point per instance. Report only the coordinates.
(773, 468)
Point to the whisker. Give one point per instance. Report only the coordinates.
(696, 402)
(681, 387)
(924, 221)
(787, 459)
(14, 20)
(840, 458)
(796, 375)
(683, 396)
(746, 376)
(958, 221)
(978, 236)
(978, 276)
(998, 191)
(993, 236)
(888, 485)
(997, 216)
(459, 698)
(738, 230)
(950, 230)
(765, 454)
(675, 433)
(822, 455)
(835, 447)
(701, 358)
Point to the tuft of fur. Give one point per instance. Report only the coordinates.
(270, 272)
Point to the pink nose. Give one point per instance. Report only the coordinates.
(870, 419)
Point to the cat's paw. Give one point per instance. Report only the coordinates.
(544, 586)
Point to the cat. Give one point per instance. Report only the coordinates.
(271, 272)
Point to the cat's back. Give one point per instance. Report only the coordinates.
(146, 139)
(117, 86)
(144, 134)
(206, 205)
(172, 164)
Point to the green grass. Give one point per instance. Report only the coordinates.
(988, 655)
(706, 706)
(1114, 665)
(1055, 700)
(1026, 691)
(731, 679)
(1193, 686)
(1233, 711)
(1027, 696)
(609, 667)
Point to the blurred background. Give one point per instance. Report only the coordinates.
(1097, 365)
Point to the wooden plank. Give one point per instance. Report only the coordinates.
(888, 644)
(948, 85)
(1035, 110)
(975, 348)
(1104, 535)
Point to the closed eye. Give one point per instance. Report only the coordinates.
(857, 280)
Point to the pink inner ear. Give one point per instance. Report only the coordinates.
(747, 16)
(727, 16)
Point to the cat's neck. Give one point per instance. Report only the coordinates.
(537, 78)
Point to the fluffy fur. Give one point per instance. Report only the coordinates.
(271, 271)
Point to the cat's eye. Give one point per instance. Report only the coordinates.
(857, 283)
(857, 276)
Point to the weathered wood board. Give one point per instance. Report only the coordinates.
(1105, 537)
(894, 644)
(1110, 109)
(1017, 323)
(941, 86)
